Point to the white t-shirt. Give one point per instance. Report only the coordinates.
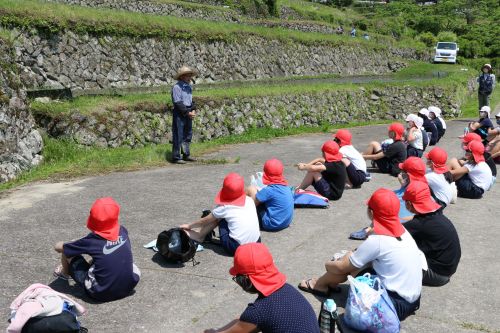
(440, 187)
(354, 156)
(480, 174)
(418, 143)
(398, 264)
(242, 221)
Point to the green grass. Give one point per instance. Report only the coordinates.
(319, 12)
(470, 107)
(67, 160)
(58, 17)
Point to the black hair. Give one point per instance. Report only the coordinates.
(245, 283)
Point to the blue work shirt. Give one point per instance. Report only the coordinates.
(182, 92)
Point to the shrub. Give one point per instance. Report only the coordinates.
(342, 3)
(447, 36)
(428, 39)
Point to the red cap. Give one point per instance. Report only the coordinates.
(331, 151)
(398, 129)
(477, 150)
(419, 194)
(385, 205)
(103, 218)
(273, 173)
(232, 192)
(471, 137)
(438, 157)
(344, 136)
(415, 168)
(255, 261)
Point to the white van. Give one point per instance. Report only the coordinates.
(446, 52)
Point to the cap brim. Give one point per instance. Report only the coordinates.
(239, 201)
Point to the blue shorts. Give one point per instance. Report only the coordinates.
(229, 244)
(78, 269)
(467, 189)
(356, 177)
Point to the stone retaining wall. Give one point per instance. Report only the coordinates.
(151, 123)
(20, 143)
(69, 60)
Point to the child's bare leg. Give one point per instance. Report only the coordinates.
(454, 164)
(64, 260)
(373, 148)
(204, 230)
(309, 178)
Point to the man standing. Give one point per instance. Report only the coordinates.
(486, 85)
(183, 114)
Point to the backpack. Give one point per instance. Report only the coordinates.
(485, 84)
(175, 245)
(65, 322)
(309, 199)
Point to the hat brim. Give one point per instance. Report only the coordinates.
(111, 233)
(275, 180)
(380, 228)
(192, 73)
(333, 157)
(239, 201)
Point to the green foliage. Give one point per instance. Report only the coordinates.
(342, 3)
(428, 39)
(447, 36)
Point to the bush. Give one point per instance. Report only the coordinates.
(342, 3)
(447, 36)
(428, 39)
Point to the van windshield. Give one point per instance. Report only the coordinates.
(447, 46)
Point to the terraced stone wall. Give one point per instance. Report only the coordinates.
(20, 142)
(77, 61)
(151, 123)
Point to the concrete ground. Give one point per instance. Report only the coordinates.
(188, 298)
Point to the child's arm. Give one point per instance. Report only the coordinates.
(317, 167)
(316, 161)
(196, 224)
(374, 157)
(411, 134)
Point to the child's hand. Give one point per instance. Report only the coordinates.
(301, 166)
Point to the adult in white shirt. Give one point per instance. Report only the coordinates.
(354, 162)
(235, 215)
(440, 179)
(474, 177)
(390, 251)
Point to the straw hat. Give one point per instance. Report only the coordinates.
(185, 70)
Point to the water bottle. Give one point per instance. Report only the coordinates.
(328, 316)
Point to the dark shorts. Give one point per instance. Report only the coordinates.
(384, 165)
(402, 306)
(433, 279)
(467, 189)
(228, 244)
(323, 188)
(78, 269)
(412, 151)
(356, 177)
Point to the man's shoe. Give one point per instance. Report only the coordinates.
(178, 162)
(189, 159)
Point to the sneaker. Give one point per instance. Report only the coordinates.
(189, 159)
(359, 235)
(58, 273)
(178, 162)
(368, 177)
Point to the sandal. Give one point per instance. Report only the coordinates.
(58, 273)
(309, 289)
(359, 235)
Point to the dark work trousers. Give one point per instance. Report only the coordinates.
(182, 133)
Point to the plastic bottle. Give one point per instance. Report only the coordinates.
(328, 316)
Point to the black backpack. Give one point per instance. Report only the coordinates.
(65, 322)
(175, 245)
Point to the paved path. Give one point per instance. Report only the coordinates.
(188, 299)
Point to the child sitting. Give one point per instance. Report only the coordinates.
(354, 163)
(326, 174)
(437, 120)
(440, 180)
(413, 136)
(387, 160)
(111, 274)
(275, 201)
(235, 214)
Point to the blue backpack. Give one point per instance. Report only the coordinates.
(309, 199)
